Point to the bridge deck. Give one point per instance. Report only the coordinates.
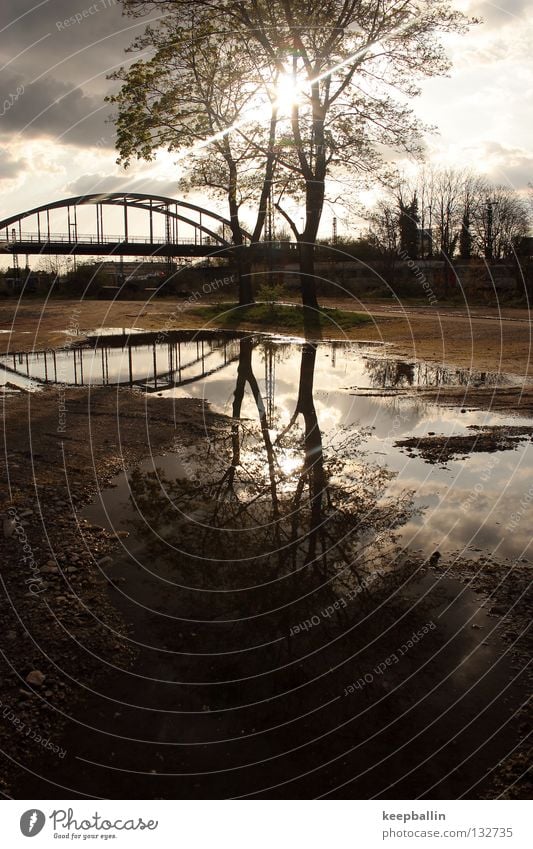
(130, 248)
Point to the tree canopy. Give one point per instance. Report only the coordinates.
(324, 85)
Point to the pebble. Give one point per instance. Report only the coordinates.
(9, 528)
(35, 678)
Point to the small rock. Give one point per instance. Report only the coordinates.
(35, 678)
(104, 561)
(9, 528)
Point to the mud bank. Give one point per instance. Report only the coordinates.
(60, 630)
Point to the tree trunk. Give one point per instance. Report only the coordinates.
(314, 201)
(244, 276)
(243, 265)
(307, 275)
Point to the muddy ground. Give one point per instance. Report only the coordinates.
(480, 338)
(65, 632)
(66, 641)
(439, 449)
(59, 626)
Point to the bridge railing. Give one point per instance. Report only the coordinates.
(89, 239)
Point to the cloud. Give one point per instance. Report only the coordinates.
(49, 107)
(63, 68)
(498, 14)
(10, 167)
(514, 164)
(35, 39)
(92, 183)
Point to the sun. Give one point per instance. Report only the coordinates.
(289, 463)
(287, 92)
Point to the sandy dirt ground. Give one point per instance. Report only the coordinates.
(481, 338)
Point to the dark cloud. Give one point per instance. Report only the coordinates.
(62, 64)
(53, 108)
(75, 51)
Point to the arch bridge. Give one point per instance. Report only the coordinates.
(169, 227)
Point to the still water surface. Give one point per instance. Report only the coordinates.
(466, 505)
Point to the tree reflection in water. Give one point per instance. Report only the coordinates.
(394, 374)
(283, 514)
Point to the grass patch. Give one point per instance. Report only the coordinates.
(278, 317)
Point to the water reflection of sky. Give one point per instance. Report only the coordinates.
(468, 504)
(456, 516)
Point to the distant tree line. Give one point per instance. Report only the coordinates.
(448, 213)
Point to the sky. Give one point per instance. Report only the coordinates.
(56, 139)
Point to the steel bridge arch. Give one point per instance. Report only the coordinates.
(153, 204)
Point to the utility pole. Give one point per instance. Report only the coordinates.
(270, 236)
(335, 237)
(16, 267)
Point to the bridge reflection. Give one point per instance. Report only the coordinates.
(152, 362)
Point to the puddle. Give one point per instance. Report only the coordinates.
(467, 504)
(285, 645)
